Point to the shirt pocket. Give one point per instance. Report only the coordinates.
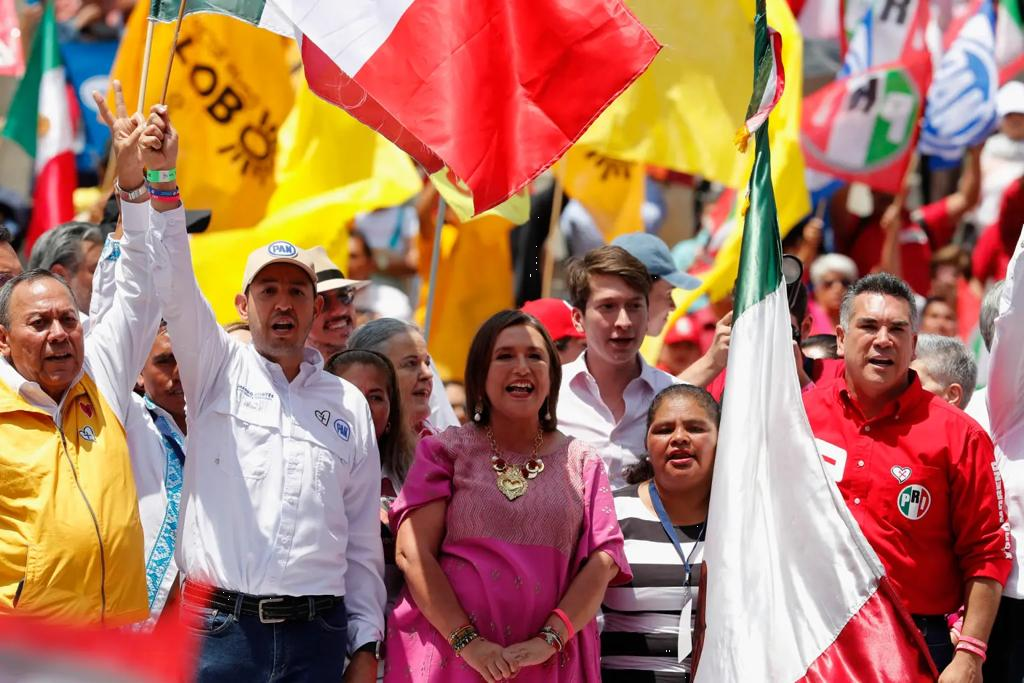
(255, 439)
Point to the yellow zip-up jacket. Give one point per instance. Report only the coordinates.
(71, 544)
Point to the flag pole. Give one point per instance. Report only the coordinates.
(548, 274)
(174, 47)
(145, 64)
(434, 256)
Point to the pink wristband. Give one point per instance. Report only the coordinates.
(565, 620)
(973, 649)
(980, 644)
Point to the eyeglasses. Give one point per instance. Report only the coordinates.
(345, 296)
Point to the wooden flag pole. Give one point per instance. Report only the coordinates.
(548, 274)
(442, 207)
(145, 65)
(174, 47)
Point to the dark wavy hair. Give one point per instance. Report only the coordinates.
(479, 362)
(396, 443)
(644, 470)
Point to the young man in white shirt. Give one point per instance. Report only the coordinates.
(279, 540)
(605, 392)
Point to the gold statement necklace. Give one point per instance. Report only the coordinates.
(512, 480)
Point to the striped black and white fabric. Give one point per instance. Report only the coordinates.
(641, 618)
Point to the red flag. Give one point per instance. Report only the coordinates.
(496, 90)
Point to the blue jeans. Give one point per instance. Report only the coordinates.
(238, 647)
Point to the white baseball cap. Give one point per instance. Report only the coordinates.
(280, 251)
(1010, 99)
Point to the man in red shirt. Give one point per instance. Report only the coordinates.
(918, 475)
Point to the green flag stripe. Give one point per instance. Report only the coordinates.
(760, 269)
(1013, 9)
(23, 116)
(247, 10)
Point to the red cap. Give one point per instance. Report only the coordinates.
(556, 317)
(684, 330)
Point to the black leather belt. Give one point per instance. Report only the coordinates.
(269, 609)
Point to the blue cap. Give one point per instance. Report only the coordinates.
(654, 254)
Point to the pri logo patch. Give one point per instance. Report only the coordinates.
(282, 249)
(343, 429)
(914, 501)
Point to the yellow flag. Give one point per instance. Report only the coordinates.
(683, 112)
(457, 195)
(611, 190)
(465, 296)
(230, 91)
(330, 167)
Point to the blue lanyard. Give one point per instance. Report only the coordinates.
(670, 530)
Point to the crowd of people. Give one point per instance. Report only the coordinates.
(317, 505)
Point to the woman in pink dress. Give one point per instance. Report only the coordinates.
(507, 532)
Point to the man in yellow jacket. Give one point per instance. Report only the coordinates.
(71, 544)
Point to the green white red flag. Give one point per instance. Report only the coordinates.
(1009, 38)
(792, 589)
(39, 121)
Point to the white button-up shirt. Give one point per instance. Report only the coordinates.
(1005, 393)
(156, 468)
(582, 414)
(282, 479)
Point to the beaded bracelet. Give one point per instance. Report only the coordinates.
(461, 637)
(168, 176)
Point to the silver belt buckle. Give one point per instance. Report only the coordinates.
(259, 611)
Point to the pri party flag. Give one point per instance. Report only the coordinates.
(230, 89)
(39, 121)
(1010, 38)
(961, 106)
(793, 591)
(887, 31)
(494, 90)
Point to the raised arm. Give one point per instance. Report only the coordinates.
(118, 343)
(1006, 364)
(200, 345)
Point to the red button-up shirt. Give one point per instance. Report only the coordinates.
(920, 479)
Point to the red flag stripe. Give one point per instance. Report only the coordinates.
(52, 197)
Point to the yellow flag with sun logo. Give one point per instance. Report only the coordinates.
(229, 93)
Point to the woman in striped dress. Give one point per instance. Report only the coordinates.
(648, 622)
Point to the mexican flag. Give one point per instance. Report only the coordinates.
(793, 590)
(493, 90)
(1009, 38)
(39, 121)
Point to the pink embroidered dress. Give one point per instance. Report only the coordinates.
(509, 562)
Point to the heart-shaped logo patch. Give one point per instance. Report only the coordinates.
(901, 473)
(324, 416)
(87, 433)
(86, 407)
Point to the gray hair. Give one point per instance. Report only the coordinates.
(374, 334)
(7, 291)
(948, 361)
(879, 283)
(832, 263)
(989, 312)
(60, 246)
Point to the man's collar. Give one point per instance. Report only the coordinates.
(31, 391)
(579, 366)
(911, 396)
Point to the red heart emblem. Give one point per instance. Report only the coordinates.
(86, 408)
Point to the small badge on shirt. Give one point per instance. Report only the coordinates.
(324, 416)
(87, 433)
(343, 429)
(914, 501)
(901, 473)
(86, 406)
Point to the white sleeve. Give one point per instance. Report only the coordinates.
(201, 346)
(118, 344)
(1006, 363)
(103, 284)
(365, 595)
(442, 415)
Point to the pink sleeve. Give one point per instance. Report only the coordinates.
(600, 522)
(429, 479)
